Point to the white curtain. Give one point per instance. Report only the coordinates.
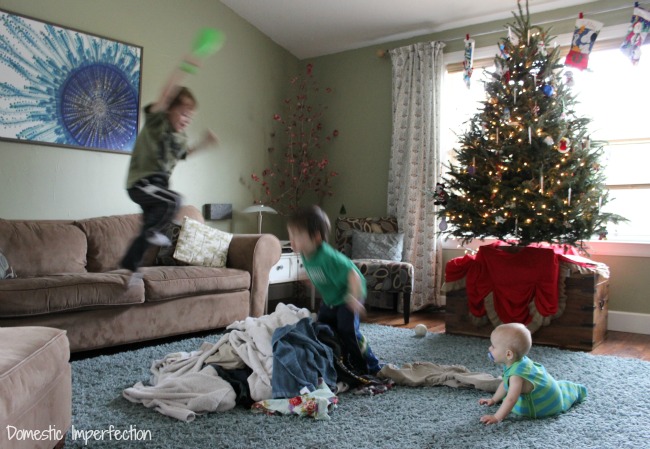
(415, 163)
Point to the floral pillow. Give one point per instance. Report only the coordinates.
(372, 245)
(199, 244)
(165, 256)
(6, 271)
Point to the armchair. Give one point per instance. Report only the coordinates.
(382, 274)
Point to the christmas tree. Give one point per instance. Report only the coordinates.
(526, 170)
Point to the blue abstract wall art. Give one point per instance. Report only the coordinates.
(67, 88)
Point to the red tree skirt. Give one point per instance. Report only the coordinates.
(513, 278)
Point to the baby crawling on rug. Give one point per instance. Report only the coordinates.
(526, 389)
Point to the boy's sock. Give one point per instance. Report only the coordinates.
(135, 279)
(158, 239)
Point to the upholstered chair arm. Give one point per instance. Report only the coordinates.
(255, 253)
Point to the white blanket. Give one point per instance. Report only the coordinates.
(185, 396)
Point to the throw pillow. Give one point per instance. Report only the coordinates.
(6, 271)
(370, 245)
(199, 244)
(165, 256)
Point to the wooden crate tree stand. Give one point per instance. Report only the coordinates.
(561, 298)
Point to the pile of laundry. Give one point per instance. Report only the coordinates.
(281, 363)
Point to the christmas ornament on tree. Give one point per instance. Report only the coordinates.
(569, 81)
(584, 37)
(472, 168)
(502, 50)
(506, 116)
(541, 47)
(563, 146)
(443, 224)
(636, 34)
(439, 195)
(517, 174)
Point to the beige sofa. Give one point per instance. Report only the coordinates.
(68, 278)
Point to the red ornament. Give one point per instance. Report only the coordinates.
(563, 146)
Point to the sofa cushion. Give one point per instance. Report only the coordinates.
(35, 386)
(165, 255)
(162, 283)
(369, 245)
(40, 248)
(345, 225)
(199, 244)
(386, 276)
(108, 239)
(58, 293)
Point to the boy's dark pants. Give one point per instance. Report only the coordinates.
(159, 206)
(346, 324)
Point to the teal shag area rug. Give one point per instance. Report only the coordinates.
(615, 415)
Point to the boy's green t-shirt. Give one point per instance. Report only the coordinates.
(328, 270)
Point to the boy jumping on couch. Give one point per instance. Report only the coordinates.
(161, 143)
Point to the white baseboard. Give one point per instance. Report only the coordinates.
(636, 323)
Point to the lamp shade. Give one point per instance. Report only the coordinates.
(259, 209)
(255, 208)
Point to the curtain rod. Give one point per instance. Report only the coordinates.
(383, 52)
(596, 13)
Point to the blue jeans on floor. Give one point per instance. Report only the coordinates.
(346, 324)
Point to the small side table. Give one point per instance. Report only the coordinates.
(289, 269)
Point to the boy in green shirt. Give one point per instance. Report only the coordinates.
(338, 280)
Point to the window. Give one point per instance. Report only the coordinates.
(614, 94)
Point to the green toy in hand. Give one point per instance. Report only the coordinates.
(207, 42)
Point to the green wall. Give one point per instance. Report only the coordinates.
(362, 112)
(629, 283)
(238, 91)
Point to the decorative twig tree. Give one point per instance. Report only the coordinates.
(299, 169)
(526, 170)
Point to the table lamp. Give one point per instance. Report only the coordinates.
(259, 209)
